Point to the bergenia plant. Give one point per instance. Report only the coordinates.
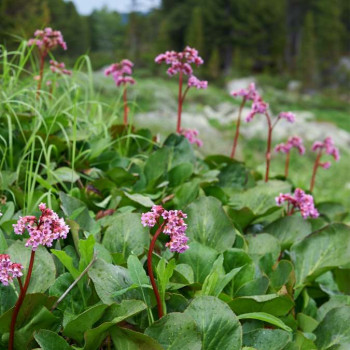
(172, 224)
(327, 146)
(246, 94)
(181, 62)
(59, 68)
(191, 136)
(121, 73)
(43, 231)
(293, 142)
(299, 201)
(259, 106)
(46, 40)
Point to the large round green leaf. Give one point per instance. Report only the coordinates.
(124, 338)
(209, 224)
(274, 304)
(322, 251)
(267, 339)
(109, 279)
(44, 270)
(218, 325)
(201, 258)
(49, 340)
(126, 235)
(334, 329)
(176, 331)
(289, 230)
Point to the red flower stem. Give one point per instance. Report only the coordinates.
(180, 101)
(41, 73)
(268, 150)
(237, 128)
(286, 168)
(316, 165)
(125, 106)
(150, 270)
(20, 283)
(184, 95)
(20, 300)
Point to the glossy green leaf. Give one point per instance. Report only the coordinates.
(175, 331)
(267, 339)
(76, 327)
(208, 224)
(334, 329)
(180, 174)
(274, 304)
(218, 325)
(44, 270)
(289, 230)
(114, 314)
(200, 258)
(124, 338)
(126, 235)
(322, 251)
(263, 316)
(140, 199)
(109, 279)
(49, 340)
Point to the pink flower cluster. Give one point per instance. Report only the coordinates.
(173, 225)
(199, 84)
(259, 106)
(121, 72)
(191, 136)
(42, 231)
(180, 61)
(300, 200)
(9, 270)
(59, 68)
(289, 116)
(293, 141)
(249, 94)
(47, 40)
(328, 146)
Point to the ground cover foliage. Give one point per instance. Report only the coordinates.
(252, 278)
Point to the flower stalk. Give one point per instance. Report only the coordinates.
(22, 294)
(150, 271)
(327, 146)
(173, 225)
(235, 141)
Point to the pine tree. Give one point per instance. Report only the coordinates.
(214, 64)
(195, 35)
(307, 62)
(329, 29)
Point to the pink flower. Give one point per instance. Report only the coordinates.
(59, 68)
(191, 136)
(180, 61)
(301, 201)
(121, 72)
(325, 165)
(42, 231)
(258, 107)
(289, 116)
(9, 270)
(328, 146)
(199, 84)
(173, 225)
(47, 40)
(250, 93)
(293, 141)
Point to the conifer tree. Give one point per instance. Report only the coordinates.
(195, 35)
(307, 61)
